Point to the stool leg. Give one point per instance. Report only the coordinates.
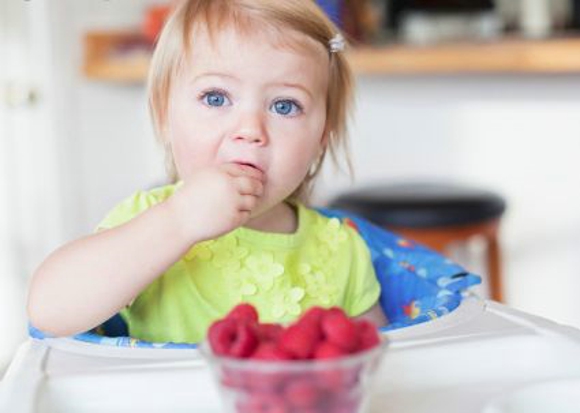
(494, 269)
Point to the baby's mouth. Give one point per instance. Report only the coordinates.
(251, 165)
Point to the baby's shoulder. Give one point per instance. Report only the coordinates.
(145, 199)
(333, 230)
(158, 194)
(135, 204)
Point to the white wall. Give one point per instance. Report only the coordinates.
(517, 135)
(29, 211)
(111, 149)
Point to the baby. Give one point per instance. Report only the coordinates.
(247, 97)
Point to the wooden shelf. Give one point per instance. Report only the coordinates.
(116, 57)
(124, 57)
(504, 56)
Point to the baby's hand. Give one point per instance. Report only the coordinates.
(216, 200)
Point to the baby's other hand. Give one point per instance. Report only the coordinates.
(217, 200)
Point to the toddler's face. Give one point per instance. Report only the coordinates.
(243, 99)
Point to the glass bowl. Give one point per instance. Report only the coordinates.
(340, 385)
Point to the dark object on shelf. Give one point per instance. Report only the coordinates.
(435, 215)
(576, 14)
(360, 22)
(397, 8)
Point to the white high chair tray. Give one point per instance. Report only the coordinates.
(459, 363)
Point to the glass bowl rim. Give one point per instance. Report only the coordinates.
(347, 361)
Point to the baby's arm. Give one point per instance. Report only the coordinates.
(88, 280)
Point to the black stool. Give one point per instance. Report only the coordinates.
(434, 215)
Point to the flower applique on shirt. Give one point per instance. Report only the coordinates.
(286, 303)
(278, 281)
(228, 255)
(332, 234)
(263, 269)
(248, 272)
(317, 283)
(259, 273)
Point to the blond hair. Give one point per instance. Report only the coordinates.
(249, 16)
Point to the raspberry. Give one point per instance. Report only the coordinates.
(299, 340)
(269, 332)
(227, 338)
(267, 381)
(326, 350)
(221, 334)
(245, 341)
(264, 382)
(262, 403)
(338, 380)
(368, 335)
(312, 315)
(270, 351)
(339, 330)
(314, 409)
(302, 393)
(244, 312)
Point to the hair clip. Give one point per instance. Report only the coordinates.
(337, 43)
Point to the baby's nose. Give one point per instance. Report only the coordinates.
(251, 128)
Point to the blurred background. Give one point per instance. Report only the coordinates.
(480, 93)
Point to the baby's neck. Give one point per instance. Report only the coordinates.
(283, 218)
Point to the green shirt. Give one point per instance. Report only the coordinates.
(325, 262)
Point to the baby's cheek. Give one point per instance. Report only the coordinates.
(180, 156)
(295, 173)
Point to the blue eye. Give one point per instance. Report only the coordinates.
(286, 107)
(215, 98)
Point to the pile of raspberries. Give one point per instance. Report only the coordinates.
(319, 334)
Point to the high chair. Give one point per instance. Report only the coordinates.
(435, 215)
(453, 342)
